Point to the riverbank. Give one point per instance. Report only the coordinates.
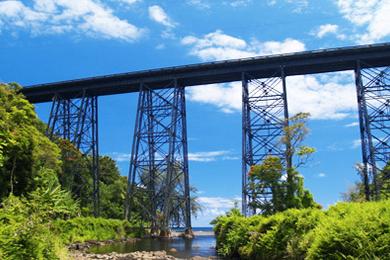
(155, 255)
(202, 246)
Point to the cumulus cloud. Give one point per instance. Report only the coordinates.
(215, 206)
(62, 16)
(372, 16)
(308, 94)
(313, 94)
(227, 97)
(157, 14)
(219, 46)
(327, 29)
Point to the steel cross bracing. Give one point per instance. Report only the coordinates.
(76, 120)
(158, 176)
(264, 114)
(373, 90)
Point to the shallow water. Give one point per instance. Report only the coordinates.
(202, 245)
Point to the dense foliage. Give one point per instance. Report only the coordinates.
(88, 228)
(345, 231)
(25, 230)
(24, 148)
(45, 188)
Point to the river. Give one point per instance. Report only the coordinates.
(202, 245)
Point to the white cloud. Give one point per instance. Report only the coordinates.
(216, 206)
(239, 3)
(356, 143)
(201, 4)
(314, 94)
(371, 15)
(120, 157)
(299, 5)
(219, 46)
(225, 96)
(130, 2)
(63, 16)
(353, 124)
(321, 175)
(271, 2)
(209, 156)
(326, 29)
(157, 14)
(213, 207)
(308, 94)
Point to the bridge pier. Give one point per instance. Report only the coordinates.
(264, 116)
(373, 94)
(76, 119)
(158, 180)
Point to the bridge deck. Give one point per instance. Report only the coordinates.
(308, 62)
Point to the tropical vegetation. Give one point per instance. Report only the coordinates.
(46, 188)
(359, 230)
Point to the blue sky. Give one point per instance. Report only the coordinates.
(51, 40)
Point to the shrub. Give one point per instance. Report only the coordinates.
(345, 231)
(352, 230)
(278, 236)
(87, 228)
(23, 236)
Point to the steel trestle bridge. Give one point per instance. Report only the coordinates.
(159, 159)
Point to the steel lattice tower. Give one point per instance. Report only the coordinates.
(158, 179)
(264, 115)
(76, 119)
(373, 92)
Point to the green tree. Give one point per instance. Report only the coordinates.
(297, 155)
(112, 189)
(283, 184)
(266, 179)
(24, 148)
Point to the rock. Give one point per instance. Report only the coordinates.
(199, 258)
(173, 250)
(155, 255)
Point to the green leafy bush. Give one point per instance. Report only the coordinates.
(345, 231)
(24, 236)
(352, 230)
(278, 236)
(87, 228)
